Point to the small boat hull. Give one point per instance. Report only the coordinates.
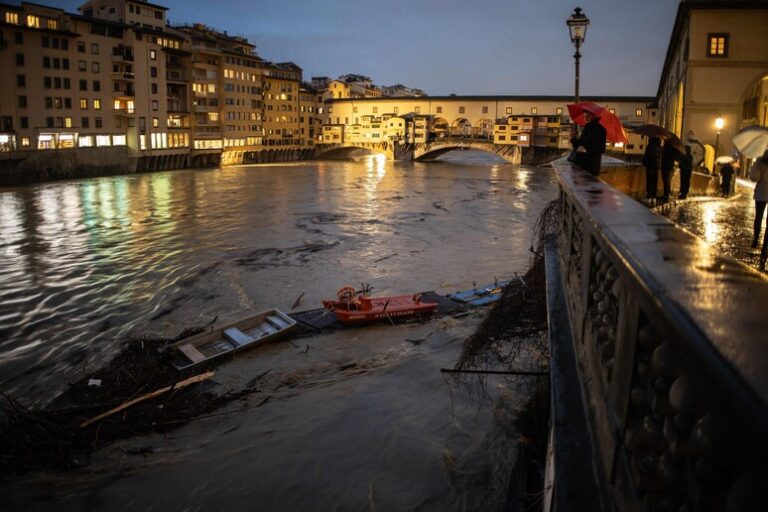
(245, 334)
(364, 310)
(480, 296)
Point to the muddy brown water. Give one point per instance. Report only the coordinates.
(361, 419)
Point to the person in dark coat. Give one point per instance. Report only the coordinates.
(590, 145)
(669, 155)
(652, 162)
(726, 175)
(686, 169)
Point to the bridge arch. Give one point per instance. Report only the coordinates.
(461, 127)
(483, 129)
(430, 151)
(441, 127)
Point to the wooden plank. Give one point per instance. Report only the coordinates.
(192, 353)
(181, 384)
(237, 336)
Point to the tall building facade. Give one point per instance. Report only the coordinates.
(117, 75)
(716, 67)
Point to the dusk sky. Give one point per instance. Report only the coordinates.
(451, 46)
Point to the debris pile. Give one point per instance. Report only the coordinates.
(134, 394)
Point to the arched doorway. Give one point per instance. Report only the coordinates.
(461, 128)
(483, 129)
(441, 128)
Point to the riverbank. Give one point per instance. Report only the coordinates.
(19, 168)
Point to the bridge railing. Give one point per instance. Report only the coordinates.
(672, 359)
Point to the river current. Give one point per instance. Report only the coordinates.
(366, 421)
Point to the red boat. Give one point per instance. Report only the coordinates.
(351, 309)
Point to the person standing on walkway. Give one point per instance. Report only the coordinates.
(652, 162)
(686, 169)
(759, 174)
(590, 146)
(726, 175)
(669, 155)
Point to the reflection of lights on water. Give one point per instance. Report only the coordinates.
(49, 206)
(375, 164)
(522, 176)
(711, 228)
(494, 171)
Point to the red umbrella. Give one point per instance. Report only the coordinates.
(614, 132)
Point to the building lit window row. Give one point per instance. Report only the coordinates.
(168, 43)
(209, 144)
(241, 75)
(229, 143)
(68, 140)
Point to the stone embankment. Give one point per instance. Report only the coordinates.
(38, 166)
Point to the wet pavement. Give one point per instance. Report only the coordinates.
(725, 223)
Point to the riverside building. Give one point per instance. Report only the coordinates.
(716, 67)
(117, 75)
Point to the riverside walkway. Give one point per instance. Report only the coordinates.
(659, 380)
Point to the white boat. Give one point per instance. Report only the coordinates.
(245, 334)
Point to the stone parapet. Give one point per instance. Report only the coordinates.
(669, 337)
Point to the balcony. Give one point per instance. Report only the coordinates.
(122, 54)
(125, 111)
(123, 76)
(128, 92)
(175, 107)
(176, 76)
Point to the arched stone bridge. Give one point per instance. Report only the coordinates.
(421, 151)
(432, 150)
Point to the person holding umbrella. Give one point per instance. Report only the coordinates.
(759, 174)
(669, 155)
(590, 145)
(726, 176)
(652, 162)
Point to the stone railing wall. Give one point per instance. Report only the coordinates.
(672, 357)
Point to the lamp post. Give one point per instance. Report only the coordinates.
(577, 26)
(719, 123)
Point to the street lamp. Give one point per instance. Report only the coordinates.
(719, 123)
(577, 26)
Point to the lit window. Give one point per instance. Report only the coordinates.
(612, 110)
(155, 122)
(534, 110)
(638, 112)
(84, 104)
(717, 45)
(96, 104)
(85, 141)
(523, 138)
(559, 110)
(12, 18)
(153, 54)
(33, 21)
(51, 24)
(25, 141)
(67, 122)
(103, 140)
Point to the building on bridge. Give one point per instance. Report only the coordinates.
(527, 121)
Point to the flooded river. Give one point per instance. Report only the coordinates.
(365, 420)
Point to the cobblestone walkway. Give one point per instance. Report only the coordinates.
(724, 223)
